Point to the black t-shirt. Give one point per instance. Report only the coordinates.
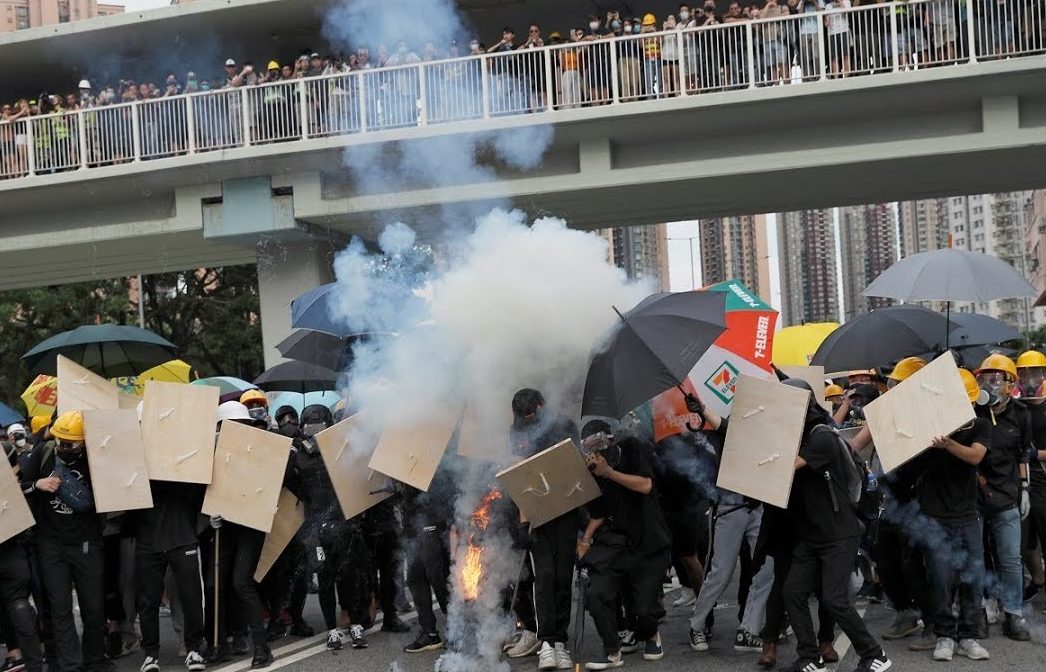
(636, 515)
(947, 485)
(1036, 468)
(1000, 475)
(685, 473)
(819, 506)
(54, 517)
(172, 520)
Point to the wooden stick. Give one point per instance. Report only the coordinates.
(217, 535)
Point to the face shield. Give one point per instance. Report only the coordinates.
(996, 383)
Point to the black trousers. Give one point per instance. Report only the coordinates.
(19, 614)
(826, 567)
(81, 566)
(902, 570)
(345, 573)
(775, 605)
(386, 569)
(552, 550)
(428, 572)
(149, 571)
(239, 603)
(633, 580)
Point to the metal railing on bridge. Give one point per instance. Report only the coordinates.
(822, 41)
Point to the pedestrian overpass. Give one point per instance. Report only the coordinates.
(257, 173)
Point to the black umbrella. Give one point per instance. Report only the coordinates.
(652, 349)
(880, 337)
(973, 329)
(298, 377)
(323, 349)
(110, 350)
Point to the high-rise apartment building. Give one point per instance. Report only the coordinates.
(868, 246)
(22, 14)
(642, 251)
(923, 225)
(806, 259)
(736, 248)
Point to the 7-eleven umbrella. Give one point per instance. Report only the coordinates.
(745, 348)
(41, 397)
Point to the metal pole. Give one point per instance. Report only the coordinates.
(693, 276)
(141, 303)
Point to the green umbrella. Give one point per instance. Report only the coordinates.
(110, 350)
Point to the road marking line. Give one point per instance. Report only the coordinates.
(842, 642)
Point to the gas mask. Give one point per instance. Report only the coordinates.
(602, 443)
(313, 428)
(996, 384)
(1032, 380)
(19, 440)
(258, 413)
(69, 451)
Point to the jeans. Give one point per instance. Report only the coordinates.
(958, 563)
(1005, 528)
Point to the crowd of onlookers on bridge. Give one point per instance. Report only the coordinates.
(614, 57)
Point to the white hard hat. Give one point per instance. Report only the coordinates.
(14, 428)
(84, 84)
(233, 410)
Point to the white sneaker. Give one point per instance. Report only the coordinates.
(511, 641)
(546, 657)
(686, 598)
(150, 664)
(611, 661)
(194, 662)
(334, 641)
(527, 645)
(563, 661)
(992, 609)
(945, 649)
(972, 649)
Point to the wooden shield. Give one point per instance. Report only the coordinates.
(178, 430)
(116, 456)
(346, 449)
(550, 483)
(411, 452)
(15, 516)
(814, 376)
(290, 516)
(766, 427)
(82, 390)
(931, 402)
(249, 465)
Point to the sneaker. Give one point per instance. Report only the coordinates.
(611, 661)
(746, 641)
(425, 642)
(652, 650)
(357, 638)
(217, 655)
(1016, 628)
(527, 645)
(113, 645)
(150, 664)
(394, 625)
(275, 630)
(1032, 590)
(945, 649)
(12, 664)
(905, 625)
(698, 640)
(239, 645)
(546, 657)
(301, 629)
(924, 642)
(563, 661)
(878, 663)
(991, 610)
(972, 649)
(334, 640)
(828, 652)
(768, 656)
(629, 643)
(870, 593)
(194, 662)
(262, 657)
(806, 666)
(511, 641)
(687, 598)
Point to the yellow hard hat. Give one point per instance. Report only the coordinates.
(973, 390)
(254, 396)
(832, 391)
(69, 426)
(999, 362)
(906, 367)
(649, 19)
(38, 422)
(273, 65)
(1032, 359)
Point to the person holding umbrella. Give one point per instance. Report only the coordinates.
(1004, 498)
(1031, 367)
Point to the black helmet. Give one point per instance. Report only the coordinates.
(285, 414)
(315, 419)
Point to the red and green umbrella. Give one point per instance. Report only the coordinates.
(745, 348)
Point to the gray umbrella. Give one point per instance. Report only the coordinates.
(973, 329)
(950, 275)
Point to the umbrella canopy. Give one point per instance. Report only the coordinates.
(652, 349)
(174, 371)
(110, 350)
(226, 384)
(950, 274)
(299, 401)
(794, 346)
(9, 415)
(323, 349)
(297, 377)
(313, 310)
(881, 337)
(973, 329)
(41, 397)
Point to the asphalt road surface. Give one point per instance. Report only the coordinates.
(385, 651)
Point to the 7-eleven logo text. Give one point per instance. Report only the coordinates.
(723, 382)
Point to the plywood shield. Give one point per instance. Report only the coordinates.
(290, 516)
(249, 465)
(762, 441)
(116, 455)
(178, 430)
(346, 449)
(15, 516)
(411, 452)
(549, 484)
(82, 390)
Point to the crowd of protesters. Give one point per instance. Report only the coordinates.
(944, 539)
(638, 54)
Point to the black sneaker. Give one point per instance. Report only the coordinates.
(394, 625)
(276, 629)
(1031, 591)
(13, 665)
(239, 645)
(746, 641)
(806, 666)
(1016, 628)
(879, 663)
(653, 650)
(301, 629)
(113, 645)
(425, 642)
(629, 643)
(357, 638)
(262, 657)
(216, 655)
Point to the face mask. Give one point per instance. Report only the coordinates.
(637, 29)
(288, 429)
(684, 16)
(19, 441)
(69, 452)
(258, 412)
(615, 24)
(594, 25)
(313, 428)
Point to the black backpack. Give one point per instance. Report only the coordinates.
(857, 481)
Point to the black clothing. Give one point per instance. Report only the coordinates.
(552, 550)
(634, 580)
(14, 588)
(149, 569)
(78, 565)
(819, 506)
(53, 516)
(947, 485)
(428, 572)
(321, 504)
(999, 470)
(172, 520)
(1037, 468)
(238, 551)
(902, 569)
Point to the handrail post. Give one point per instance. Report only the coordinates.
(190, 125)
(136, 131)
(81, 137)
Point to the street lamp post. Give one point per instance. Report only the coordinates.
(693, 275)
